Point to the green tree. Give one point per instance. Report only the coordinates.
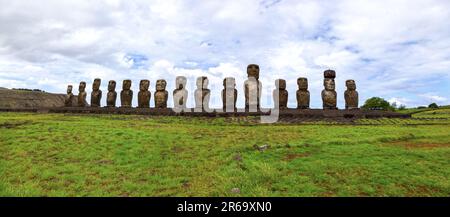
(433, 105)
(377, 103)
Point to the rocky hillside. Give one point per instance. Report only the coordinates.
(23, 98)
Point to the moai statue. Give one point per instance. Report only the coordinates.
(161, 94)
(69, 97)
(302, 94)
(112, 94)
(329, 96)
(229, 94)
(202, 94)
(96, 94)
(126, 95)
(180, 94)
(351, 95)
(252, 88)
(280, 94)
(82, 94)
(144, 94)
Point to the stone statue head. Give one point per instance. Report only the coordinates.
(126, 85)
(161, 85)
(229, 83)
(82, 86)
(112, 85)
(253, 71)
(96, 84)
(69, 89)
(329, 84)
(144, 85)
(202, 82)
(350, 84)
(329, 74)
(180, 82)
(280, 84)
(302, 83)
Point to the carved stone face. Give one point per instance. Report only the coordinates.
(96, 84)
(202, 82)
(112, 85)
(161, 85)
(280, 84)
(126, 85)
(82, 86)
(69, 89)
(253, 71)
(144, 85)
(350, 84)
(229, 83)
(302, 83)
(180, 82)
(329, 84)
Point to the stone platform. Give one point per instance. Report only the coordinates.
(310, 114)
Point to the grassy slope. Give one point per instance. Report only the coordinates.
(68, 155)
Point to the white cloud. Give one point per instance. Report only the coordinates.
(394, 49)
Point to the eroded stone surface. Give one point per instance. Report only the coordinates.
(303, 96)
(252, 88)
(126, 95)
(161, 95)
(229, 94)
(351, 95)
(144, 94)
(96, 94)
(111, 97)
(82, 94)
(180, 94)
(68, 100)
(329, 96)
(202, 93)
(280, 94)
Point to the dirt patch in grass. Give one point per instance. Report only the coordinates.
(290, 157)
(409, 145)
(9, 125)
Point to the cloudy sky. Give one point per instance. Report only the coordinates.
(398, 50)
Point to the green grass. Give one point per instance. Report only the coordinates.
(119, 155)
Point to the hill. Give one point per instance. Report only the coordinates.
(24, 98)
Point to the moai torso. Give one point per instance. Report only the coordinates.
(202, 93)
(112, 94)
(280, 94)
(82, 94)
(302, 93)
(329, 96)
(229, 94)
(161, 94)
(351, 95)
(126, 95)
(96, 94)
(252, 88)
(144, 94)
(180, 94)
(69, 97)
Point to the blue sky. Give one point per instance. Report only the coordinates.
(396, 49)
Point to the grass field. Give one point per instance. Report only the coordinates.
(119, 155)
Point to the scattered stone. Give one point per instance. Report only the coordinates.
(235, 190)
(261, 148)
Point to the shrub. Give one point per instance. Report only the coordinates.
(433, 105)
(377, 103)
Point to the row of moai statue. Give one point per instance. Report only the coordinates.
(252, 90)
